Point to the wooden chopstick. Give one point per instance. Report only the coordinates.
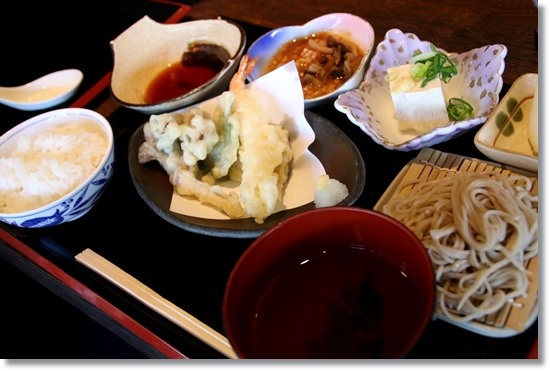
(156, 302)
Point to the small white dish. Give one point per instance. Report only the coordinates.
(504, 137)
(147, 48)
(479, 82)
(348, 25)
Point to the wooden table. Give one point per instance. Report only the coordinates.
(456, 26)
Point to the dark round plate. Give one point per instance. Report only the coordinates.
(331, 146)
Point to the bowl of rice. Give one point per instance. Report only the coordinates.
(54, 167)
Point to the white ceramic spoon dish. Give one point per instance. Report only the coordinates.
(44, 92)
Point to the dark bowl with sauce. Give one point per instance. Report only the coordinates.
(336, 282)
(331, 54)
(161, 68)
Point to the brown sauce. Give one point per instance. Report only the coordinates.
(176, 80)
(323, 67)
(199, 64)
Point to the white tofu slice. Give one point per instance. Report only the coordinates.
(417, 109)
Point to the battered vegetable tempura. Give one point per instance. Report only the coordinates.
(264, 152)
(238, 142)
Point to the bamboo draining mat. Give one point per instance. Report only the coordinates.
(432, 164)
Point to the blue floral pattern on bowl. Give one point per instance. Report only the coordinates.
(71, 208)
(78, 202)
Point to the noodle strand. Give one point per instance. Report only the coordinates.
(479, 230)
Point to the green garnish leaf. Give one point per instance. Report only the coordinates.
(432, 64)
(459, 110)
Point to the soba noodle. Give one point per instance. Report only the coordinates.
(479, 230)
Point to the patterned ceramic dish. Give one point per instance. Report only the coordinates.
(505, 135)
(479, 82)
(78, 201)
(348, 25)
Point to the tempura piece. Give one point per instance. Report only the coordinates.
(186, 184)
(264, 152)
(161, 135)
(198, 135)
(163, 131)
(183, 177)
(224, 154)
(170, 162)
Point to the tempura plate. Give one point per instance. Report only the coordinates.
(430, 164)
(331, 146)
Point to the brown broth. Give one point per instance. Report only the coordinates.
(175, 80)
(337, 305)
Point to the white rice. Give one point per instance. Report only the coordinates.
(47, 166)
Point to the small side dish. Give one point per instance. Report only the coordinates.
(325, 61)
(161, 67)
(477, 82)
(199, 63)
(510, 135)
(331, 54)
(54, 167)
(417, 92)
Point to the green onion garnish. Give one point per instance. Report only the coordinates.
(459, 110)
(432, 64)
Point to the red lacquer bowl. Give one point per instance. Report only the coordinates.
(336, 282)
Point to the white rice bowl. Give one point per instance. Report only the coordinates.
(54, 167)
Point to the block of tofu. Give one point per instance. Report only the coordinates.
(416, 109)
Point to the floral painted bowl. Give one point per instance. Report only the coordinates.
(67, 192)
(479, 82)
(350, 26)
